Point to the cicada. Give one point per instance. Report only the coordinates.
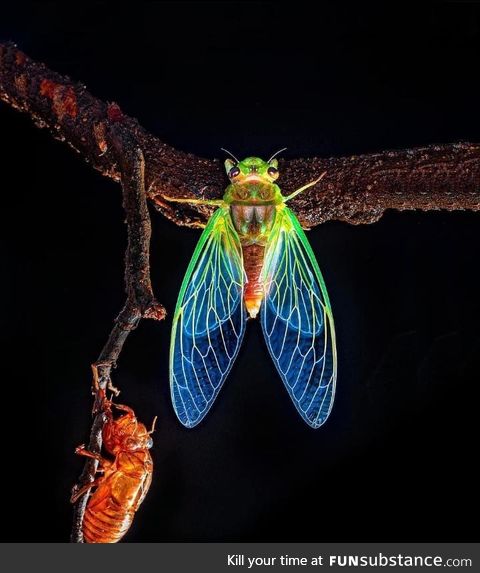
(253, 258)
(124, 480)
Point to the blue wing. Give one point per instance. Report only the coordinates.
(209, 320)
(297, 320)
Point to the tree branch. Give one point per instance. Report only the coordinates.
(140, 304)
(356, 189)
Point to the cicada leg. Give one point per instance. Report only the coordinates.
(103, 465)
(101, 400)
(129, 410)
(115, 391)
(124, 408)
(96, 383)
(214, 202)
(82, 451)
(304, 188)
(76, 495)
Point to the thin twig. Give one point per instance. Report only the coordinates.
(355, 189)
(140, 304)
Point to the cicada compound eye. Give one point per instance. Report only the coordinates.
(234, 172)
(273, 172)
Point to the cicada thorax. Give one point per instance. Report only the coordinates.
(125, 433)
(253, 210)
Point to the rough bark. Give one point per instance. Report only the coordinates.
(355, 189)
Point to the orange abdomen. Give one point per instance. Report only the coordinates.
(253, 256)
(111, 508)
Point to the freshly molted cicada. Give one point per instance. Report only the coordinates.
(253, 258)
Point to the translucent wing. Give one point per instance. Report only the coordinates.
(209, 320)
(297, 320)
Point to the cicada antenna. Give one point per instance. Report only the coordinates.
(153, 425)
(230, 153)
(276, 153)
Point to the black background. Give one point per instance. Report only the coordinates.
(395, 462)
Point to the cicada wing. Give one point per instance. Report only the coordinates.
(297, 320)
(209, 320)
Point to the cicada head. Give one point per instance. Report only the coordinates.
(252, 181)
(125, 433)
